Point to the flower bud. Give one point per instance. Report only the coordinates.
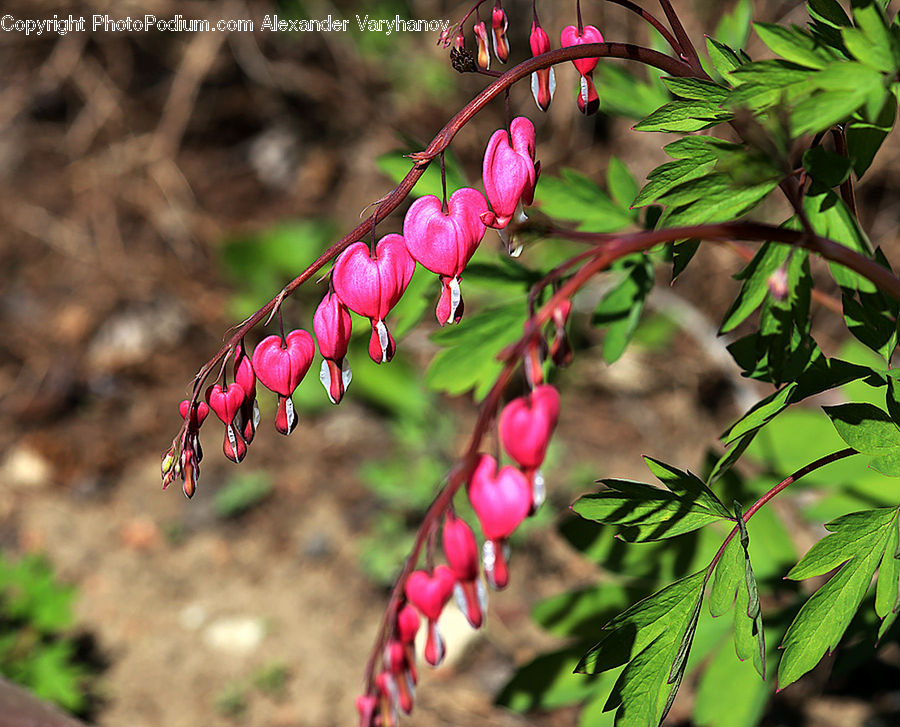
(543, 82)
(499, 24)
(331, 324)
(481, 40)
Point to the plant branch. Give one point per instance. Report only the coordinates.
(787, 481)
(689, 53)
(441, 141)
(654, 21)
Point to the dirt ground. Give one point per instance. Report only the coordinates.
(125, 162)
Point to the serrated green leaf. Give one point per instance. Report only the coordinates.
(683, 252)
(858, 540)
(760, 413)
(753, 612)
(682, 116)
(824, 109)
(870, 41)
(864, 138)
(864, 427)
(669, 175)
(644, 512)
(829, 11)
(793, 44)
(687, 485)
(723, 58)
(696, 89)
(648, 638)
(724, 204)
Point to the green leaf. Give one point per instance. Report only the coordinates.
(469, 359)
(622, 94)
(696, 89)
(723, 202)
(870, 41)
(670, 175)
(652, 638)
(887, 591)
(829, 11)
(644, 512)
(730, 693)
(723, 58)
(734, 27)
(826, 167)
(573, 196)
(619, 311)
(727, 578)
(793, 44)
(864, 138)
(684, 116)
(621, 183)
(687, 485)
(858, 541)
(755, 287)
(864, 427)
(683, 252)
(547, 683)
(748, 621)
(761, 413)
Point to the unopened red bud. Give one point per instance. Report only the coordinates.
(459, 42)
(543, 82)
(367, 705)
(481, 41)
(408, 623)
(499, 24)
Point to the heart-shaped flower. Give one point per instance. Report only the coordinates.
(589, 34)
(429, 592)
(509, 172)
(372, 286)
(408, 622)
(281, 366)
(500, 499)
(462, 555)
(543, 82)
(444, 243)
(526, 425)
(199, 412)
(226, 401)
(331, 324)
(248, 419)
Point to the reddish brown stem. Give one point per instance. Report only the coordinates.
(787, 481)
(689, 53)
(654, 21)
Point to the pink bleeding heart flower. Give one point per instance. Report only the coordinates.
(371, 287)
(499, 23)
(226, 402)
(445, 242)
(543, 82)
(589, 34)
(198, 413)
(387, 687)
(501, 500)
(396, 663)
(248, 419)
(367, 706)
(429, 592)
(462, 555)
(407, 627)
(588, 100)
(509, 171)
(331, 324)
(526, 425)
(481, 40)
(281, 366)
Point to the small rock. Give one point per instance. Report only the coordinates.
(26, 469)
(239, 635)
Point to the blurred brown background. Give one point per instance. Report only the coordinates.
(126, 161)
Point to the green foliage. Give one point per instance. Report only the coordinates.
(35, 650)
(242, 493)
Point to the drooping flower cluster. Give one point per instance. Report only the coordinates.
(501, 499)
(440, 235)
(588, 99)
